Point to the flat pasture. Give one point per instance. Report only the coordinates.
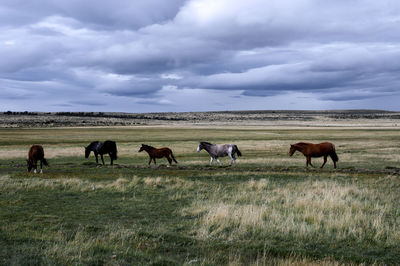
(267, 210)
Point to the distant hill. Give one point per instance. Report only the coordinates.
(261, 117)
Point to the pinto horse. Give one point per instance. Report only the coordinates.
(158, 153)
(107, 147)
(35, 154)
(315, 150)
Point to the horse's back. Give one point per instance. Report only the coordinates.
(223, 149)
(165, 150)
(327, 146)
(316, 150)
(110, 146)
(36, 151)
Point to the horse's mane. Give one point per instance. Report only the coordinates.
(302, 144)
(148, 146)
(92, 144)
(206, 143)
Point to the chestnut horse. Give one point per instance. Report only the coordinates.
(158, 153)
(35, 154)
(315, 150)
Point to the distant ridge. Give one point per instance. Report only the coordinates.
(362, 117)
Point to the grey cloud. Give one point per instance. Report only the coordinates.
(118, 14)
(356, 94)
(92, 103)
(255, 48)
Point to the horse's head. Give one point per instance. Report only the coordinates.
(142, 148)
(29, 165)
(292, 150)
(203, 146)
(87, 152)
(200, 147)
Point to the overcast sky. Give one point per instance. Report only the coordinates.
(199, 55)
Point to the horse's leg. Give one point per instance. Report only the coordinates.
(334, 163)
(97, 159)
(211, 160)
(35, 166)
(41, 166)
(232, 160)
(310, 161)
(150, 160)
(102, 159)
(169, 159)
(111, 158)
(218, 161)
(325, 156)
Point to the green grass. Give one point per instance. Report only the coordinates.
(269, 209)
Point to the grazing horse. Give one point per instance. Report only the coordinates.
(158, 153)
(216, 151)
(315, 150)
(35, 154)
(107, 147)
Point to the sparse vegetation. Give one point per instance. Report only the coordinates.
(268, 210)
(271, 118)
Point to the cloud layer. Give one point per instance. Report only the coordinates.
(152, 55)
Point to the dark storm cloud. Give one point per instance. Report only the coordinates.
(68, 50)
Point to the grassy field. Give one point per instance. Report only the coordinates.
(268, 210)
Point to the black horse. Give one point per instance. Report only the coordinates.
(107, 147)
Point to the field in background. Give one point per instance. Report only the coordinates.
(269, 209)
(343, 118)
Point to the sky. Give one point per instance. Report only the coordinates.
(199, 55)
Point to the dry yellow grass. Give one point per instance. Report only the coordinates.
(304, 215)
(312, 208)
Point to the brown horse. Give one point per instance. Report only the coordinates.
(315, 150)
(35, 154)
(158, 153)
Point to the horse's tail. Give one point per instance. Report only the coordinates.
(333, 154)
(173, 158)
(114, 154)
(45, 162)
(237, 150)
(114, 150)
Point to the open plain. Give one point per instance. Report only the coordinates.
(268, 210)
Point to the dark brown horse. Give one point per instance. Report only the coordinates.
(35, 154)
(158, 153)
(315, 150)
